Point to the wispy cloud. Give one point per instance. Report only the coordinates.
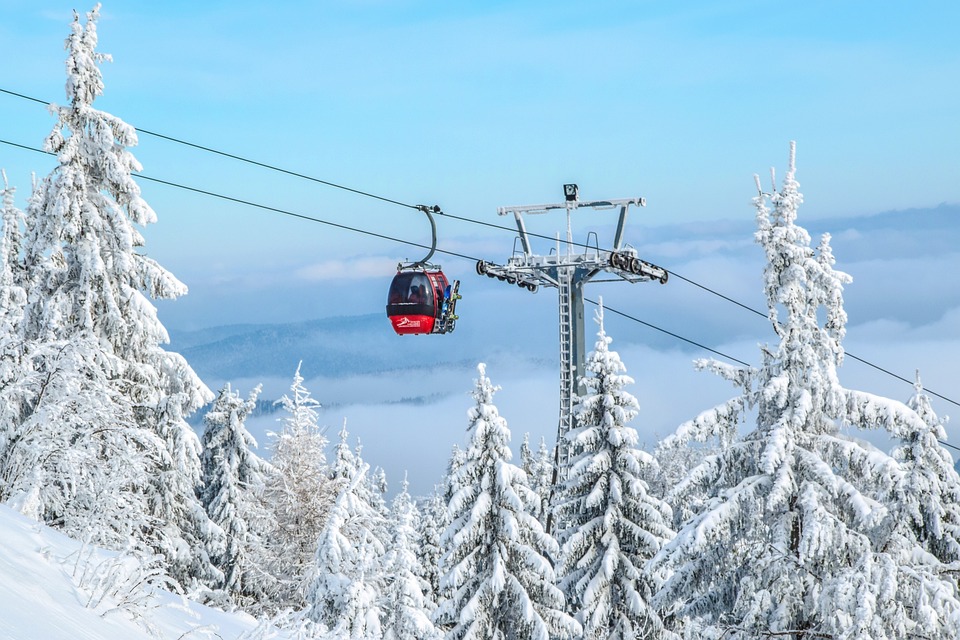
(347, 269)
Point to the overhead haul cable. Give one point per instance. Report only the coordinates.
(418, 207)
(382, 236)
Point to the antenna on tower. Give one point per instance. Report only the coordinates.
(569, 272)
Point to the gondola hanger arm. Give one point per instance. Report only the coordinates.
(429, 211)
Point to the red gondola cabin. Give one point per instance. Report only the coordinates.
(420, 302)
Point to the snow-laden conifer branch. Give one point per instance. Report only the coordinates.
(719, 422)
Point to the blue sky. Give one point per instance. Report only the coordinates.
(477, 105)
(482, 104)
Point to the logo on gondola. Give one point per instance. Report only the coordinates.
(407, 322)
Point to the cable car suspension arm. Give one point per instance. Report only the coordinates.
(433, 233)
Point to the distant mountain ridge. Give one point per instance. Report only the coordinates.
(343, 345)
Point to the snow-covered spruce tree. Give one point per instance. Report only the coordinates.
(527, 461)
(344, 594)
(443, 617)
(674, 464)
(233, 481)
(457, 459)
(612, 525)
(371, 491)
(787, 544)
(430, 528)
(100, 396)
(12, 298)
(406, 608)
(368, 495)
(919, 542)
(298, 494)
(539, 469)
(12, 272)
(497, 566)
(376, 494)
(345, 463)
(929, 494)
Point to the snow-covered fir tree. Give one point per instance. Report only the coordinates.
(674, 464)
(919, 541)
(443, 616)
(378, 482)
(538, 465)
(12, 272)
(233, 481)
(100, 445)
(345, 465)
(346, 461)
(369, 528)
(929, 494)
(430, 528)
(345, 592)
(457, 458)
(611, 524)
(377, 496)
(406, 608)
(298, 493)
(497, 566)
(789, 542)
(12, 298)
(527, 461)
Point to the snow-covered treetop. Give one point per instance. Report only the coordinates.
(301, 409)
(345, 463)
(608, 380)
(485, 419)
(81, 245)
(84, 80)
(804, 285)
(920, 402)
(83, 133)
(231, 411)
(796, 278)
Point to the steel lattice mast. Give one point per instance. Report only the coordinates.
(569, 272)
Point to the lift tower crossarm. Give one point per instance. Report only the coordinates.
(595, 204)
(568, 206)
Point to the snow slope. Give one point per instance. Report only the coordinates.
(43, 595)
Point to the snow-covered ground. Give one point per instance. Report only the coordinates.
(47, 580)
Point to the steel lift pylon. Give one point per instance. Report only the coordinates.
(569, 271)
